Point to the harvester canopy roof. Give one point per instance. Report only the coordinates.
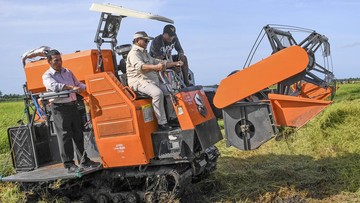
(118, 10)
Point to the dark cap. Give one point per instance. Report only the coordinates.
(142, 34)
(170, 29)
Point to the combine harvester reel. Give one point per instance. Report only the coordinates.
(252, 107)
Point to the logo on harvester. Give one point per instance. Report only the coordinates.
(200, 104)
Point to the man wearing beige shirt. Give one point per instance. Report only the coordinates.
(142, 75)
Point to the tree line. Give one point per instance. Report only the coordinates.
(17, 97)
(348, 80)
(10, 97)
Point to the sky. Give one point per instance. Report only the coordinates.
(216, 36)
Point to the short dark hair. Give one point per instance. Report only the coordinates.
(52, 53)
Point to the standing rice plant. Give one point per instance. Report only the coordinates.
(10, 113)
(347, 92)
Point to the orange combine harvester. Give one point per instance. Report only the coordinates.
(141, 163)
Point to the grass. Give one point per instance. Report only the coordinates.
(317, 163)
(348, 92)
(10, 113)
(10, 193)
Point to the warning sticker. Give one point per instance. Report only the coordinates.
(180, 110)
(147, 113)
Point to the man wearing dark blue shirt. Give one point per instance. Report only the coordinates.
(162, 46)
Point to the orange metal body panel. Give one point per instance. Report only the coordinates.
(187, 110)
(122, 125)
(81, 63)
(275, 68)
(312, 91)
(295, 111)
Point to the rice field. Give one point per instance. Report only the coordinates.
(317, 163)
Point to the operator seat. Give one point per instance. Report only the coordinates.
(123, 50)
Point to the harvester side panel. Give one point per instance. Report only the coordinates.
(190, 102)
(81, 63)
(122, 125)
(194, 112)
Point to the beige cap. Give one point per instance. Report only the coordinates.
(142, 34)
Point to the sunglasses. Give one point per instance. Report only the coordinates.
(145, 40)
